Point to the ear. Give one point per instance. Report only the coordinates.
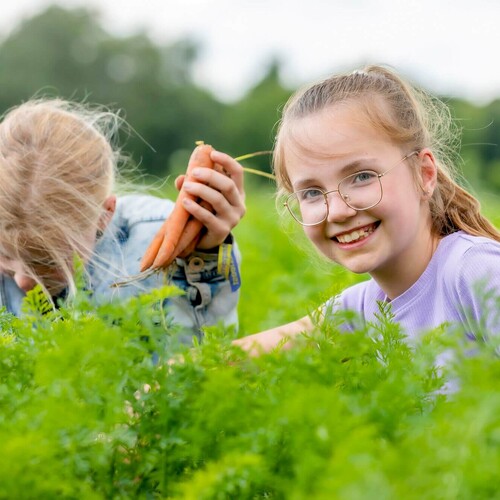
(428, 173)
(109, 206)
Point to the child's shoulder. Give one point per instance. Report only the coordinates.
(461, 247)
(135, 208)
(464, 259)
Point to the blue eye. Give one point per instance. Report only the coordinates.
(359, 180)
(364, 177)
(311, 194)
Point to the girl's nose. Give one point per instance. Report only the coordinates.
(24, 282)
(338, 210)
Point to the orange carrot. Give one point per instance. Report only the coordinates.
(152, 250)
(189, 238)
(190, 248)
(162, 248)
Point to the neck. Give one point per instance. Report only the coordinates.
(402, 275)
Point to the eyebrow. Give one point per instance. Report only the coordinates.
(351, 167)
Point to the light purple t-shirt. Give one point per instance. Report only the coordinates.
(460, 285)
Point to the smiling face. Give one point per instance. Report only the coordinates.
(392, 240)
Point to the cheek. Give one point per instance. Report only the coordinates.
(406, 189)
(317, 237)
(314, 233)
(87, 246)
(398, 198)
(400, 214)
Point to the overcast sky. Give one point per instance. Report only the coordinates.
(450, 46)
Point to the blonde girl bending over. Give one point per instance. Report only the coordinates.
(58, 169)
(363, 164)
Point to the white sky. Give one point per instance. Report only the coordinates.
(450, 46)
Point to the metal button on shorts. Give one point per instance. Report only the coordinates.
(195, 264)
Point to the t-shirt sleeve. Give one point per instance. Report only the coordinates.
(347, 307)
(476, 288)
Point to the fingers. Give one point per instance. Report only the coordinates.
(223, 191)
(179, 181)
(231, 167)
(210, 182)
(227, 209)
(217, 227)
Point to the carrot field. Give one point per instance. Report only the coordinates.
(90, 406)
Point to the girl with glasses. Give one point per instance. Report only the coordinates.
(364, 163)
(58, 170)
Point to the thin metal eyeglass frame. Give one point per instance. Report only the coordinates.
(326, 193)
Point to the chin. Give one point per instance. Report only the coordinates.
(359, 267)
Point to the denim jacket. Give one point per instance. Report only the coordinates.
(209, 298)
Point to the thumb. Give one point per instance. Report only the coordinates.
(179, 181)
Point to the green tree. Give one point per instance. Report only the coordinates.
(480, 132)
(68, 53)
(251, 122)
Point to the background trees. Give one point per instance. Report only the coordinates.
(68, 52)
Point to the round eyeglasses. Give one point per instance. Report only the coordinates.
(359, 191)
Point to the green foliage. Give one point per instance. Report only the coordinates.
(91, 408)
(480, 131)
(104, 403)
(251, 121)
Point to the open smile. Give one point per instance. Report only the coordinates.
(357, 234)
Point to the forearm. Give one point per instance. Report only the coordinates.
(269, 339)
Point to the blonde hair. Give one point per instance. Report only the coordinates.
(415, 120)
(57, 166)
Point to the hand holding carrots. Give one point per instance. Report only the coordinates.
(210, 204)
(222, 188)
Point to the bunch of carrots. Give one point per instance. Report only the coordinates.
(180, 233)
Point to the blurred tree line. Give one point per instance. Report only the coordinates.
(68, 53)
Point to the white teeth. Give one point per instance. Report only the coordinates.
(355, 235)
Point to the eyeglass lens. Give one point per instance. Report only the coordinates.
(359, 191)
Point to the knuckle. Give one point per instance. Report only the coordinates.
(213, 221)
(233, 222)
